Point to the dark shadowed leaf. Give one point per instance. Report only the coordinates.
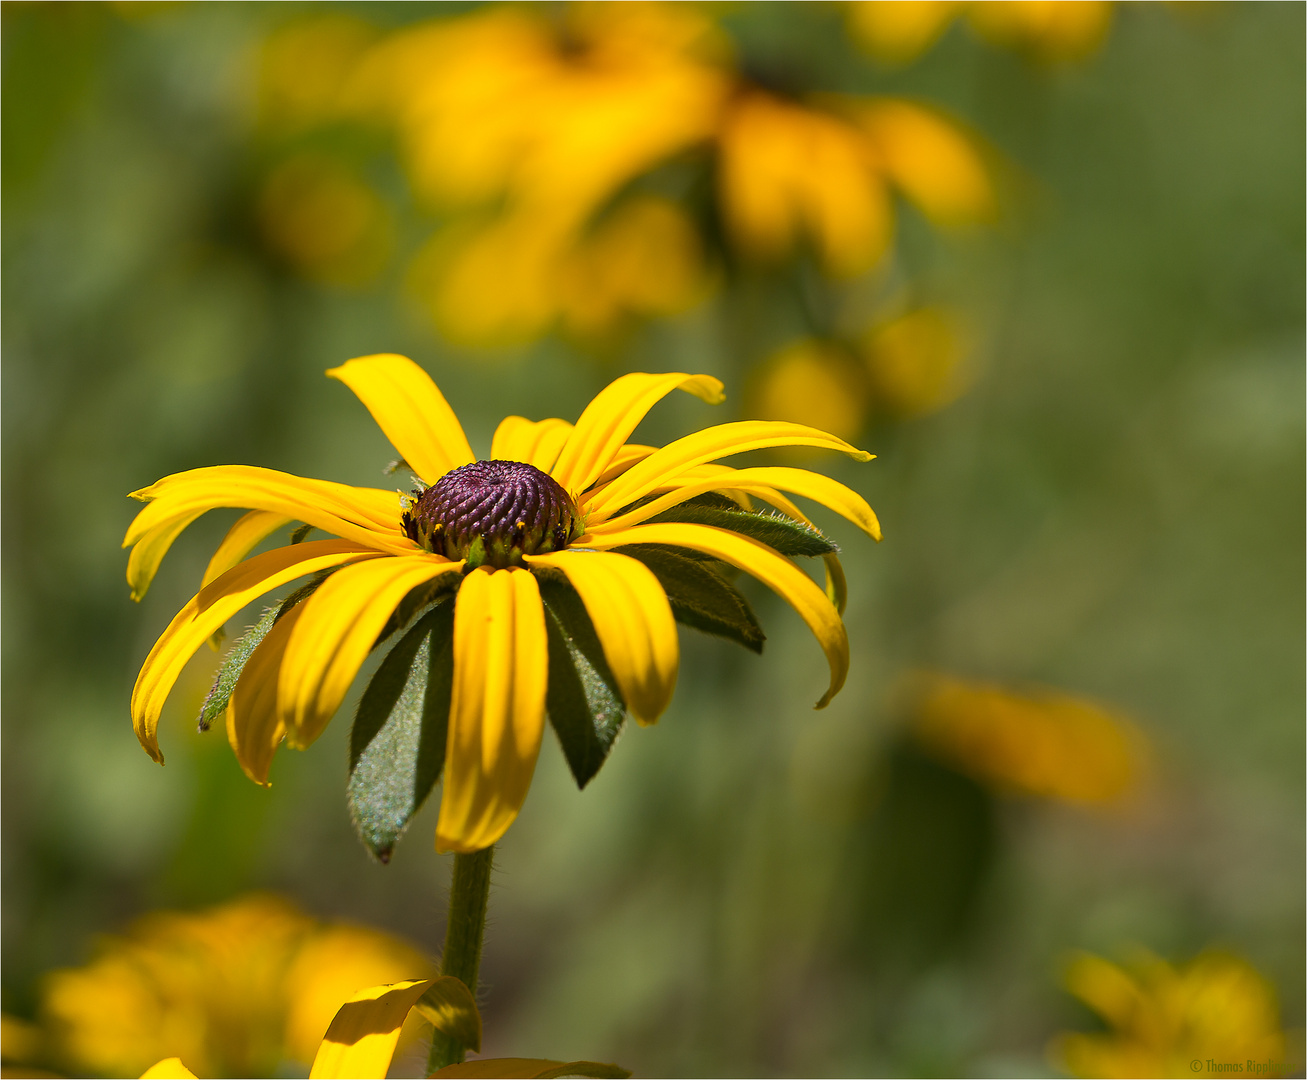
(699, 596)
(585, 707)
(397, 745)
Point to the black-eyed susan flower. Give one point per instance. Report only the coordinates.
(242, 989)
(547, 579)
(1172, 1020)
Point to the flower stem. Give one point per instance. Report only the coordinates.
(468, 892)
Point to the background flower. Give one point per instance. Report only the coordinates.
(243, 989)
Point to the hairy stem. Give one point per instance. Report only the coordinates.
(468, 892)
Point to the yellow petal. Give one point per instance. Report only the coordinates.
(241, 539)
(254, 727)
(412, 412)
(633, 620)
(830, 493)
(367, 516)
(538, 444)
(774, 571)
(615, 412)
(168, 1069)
(497, 710)
(449, 1007)
(673, 459)
(627, 456)
(143, 563)
(209, 609)
(361, 1039)
(837, 587)
(337, 630)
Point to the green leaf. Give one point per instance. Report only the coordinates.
(782, 534)
(584, 704)
(597, 1069)
(700, 597)
(397, 745)
(448, 1005)
(215, 704)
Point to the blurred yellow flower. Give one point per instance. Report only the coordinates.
(813, 382)
(916, 362)
(1045, 744)
(786, 170)
(899, 31)
(531, 131)
(238, 990)
(325, 221)
(1217, 1010)
(1050, 30)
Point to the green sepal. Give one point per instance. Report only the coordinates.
(584, 704)
(301, 534)
(430, 592)
(780, 533)
(224, 685)
(699, 596)
(397, 744)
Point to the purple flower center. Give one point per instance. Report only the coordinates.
(493, 513)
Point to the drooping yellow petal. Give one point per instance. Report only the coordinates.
(497, 710)
(213, 606)
(412, 412)
(254, 727)
(367, 516)
(538, 444)
(143, 562)
(837, 586)
(361, 1039)
(610, 418)
(337, 630)
(830, 493)
(774, 571)
(241, 539)
(633, 621)
(167, 1069)
(673, 459)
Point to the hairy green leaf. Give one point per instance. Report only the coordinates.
(700, 597)
(397, 745)
(778, 532)
(224, 685)
(584, 704)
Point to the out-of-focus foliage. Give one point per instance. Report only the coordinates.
(1087, 407)
(243, 989)
(1162, 1019)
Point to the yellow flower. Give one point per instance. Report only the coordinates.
(899, 31)
(532, 131)
(361, 1041)
(1049, 745)
(558, 506)
(814, 382)
(1215, 1010)
(237, 990)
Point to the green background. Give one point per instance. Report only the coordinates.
(750, 888)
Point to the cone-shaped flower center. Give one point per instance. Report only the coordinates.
(493, 513)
